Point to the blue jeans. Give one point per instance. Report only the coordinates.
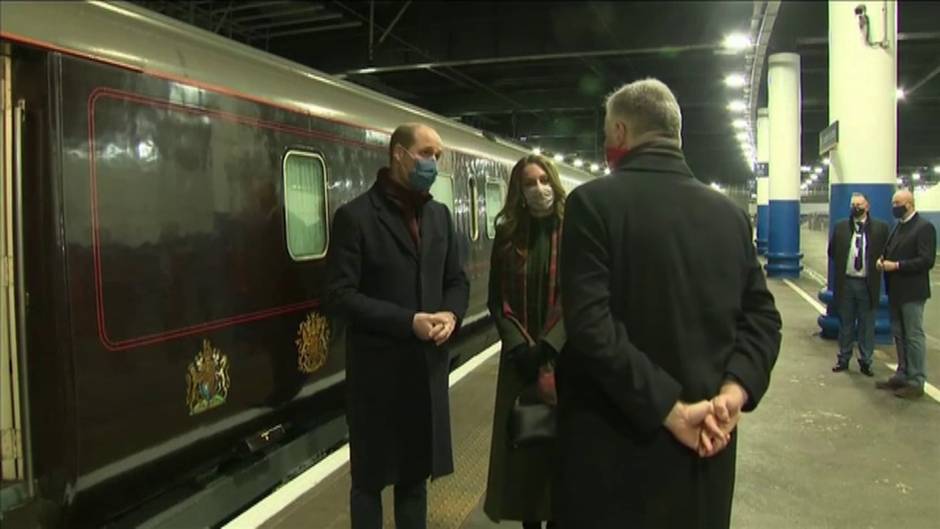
(907, 325)
(856, 322)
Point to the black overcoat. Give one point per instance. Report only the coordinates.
(397, 386)
(838, 251)
(913, 244)
(664, 300)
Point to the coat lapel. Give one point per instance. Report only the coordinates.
(427, 232)
(392, 222)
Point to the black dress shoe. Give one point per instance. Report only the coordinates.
(891, 384)
(839, 367)
(866, 370)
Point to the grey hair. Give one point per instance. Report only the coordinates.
(646, 106)
(863, 195)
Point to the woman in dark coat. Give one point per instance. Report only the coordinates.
(525, 303)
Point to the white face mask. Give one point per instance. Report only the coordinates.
(539, 198)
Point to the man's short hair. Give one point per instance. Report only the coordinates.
(404, 135)
(863, 195)
(646, 106)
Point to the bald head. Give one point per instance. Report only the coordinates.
(408, 135)
(902, 204)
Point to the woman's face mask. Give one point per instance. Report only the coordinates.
(539, 198)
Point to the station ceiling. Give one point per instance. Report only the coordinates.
(538, 72)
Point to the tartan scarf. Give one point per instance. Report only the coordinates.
(515, 286)
(408, 201)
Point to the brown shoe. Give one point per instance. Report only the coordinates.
(909, 392)
(891, 384)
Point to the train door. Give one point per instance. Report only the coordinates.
(13, 467)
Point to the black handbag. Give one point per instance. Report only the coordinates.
(531, 421)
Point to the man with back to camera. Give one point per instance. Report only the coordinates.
(671, 332)
(909, 255)
(855, 245)
(394, 275)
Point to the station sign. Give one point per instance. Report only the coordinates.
(829, 138)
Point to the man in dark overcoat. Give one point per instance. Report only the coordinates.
(855, 245)
(395, 277)
(670, 328)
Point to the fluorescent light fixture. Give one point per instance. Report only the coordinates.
(737, 41)
(737, 106)
(735, 80)
(817, 169)
(805, 168)
(915, 176)
(578, 162)
(536, 151)
(559, 157)
(595, 167)
(739, 124)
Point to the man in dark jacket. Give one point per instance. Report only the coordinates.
(395, 277)
(854, 248)
(909, 255)
(665, 307)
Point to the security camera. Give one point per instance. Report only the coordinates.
(860, 10)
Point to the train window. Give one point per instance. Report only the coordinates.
(472, 210)
(305, 205)
(495, 197)
(443, 191)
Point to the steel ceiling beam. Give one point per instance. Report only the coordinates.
(394, 21)
(281, 13)
(933, 73)
(252, 5)
(316, 18)
(536, 58)
(315, 29)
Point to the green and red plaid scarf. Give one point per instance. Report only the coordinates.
(515, 284)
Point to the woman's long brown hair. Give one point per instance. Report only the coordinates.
(512, 223)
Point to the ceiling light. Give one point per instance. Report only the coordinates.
(737, 106)
(825, 161)
(739, 124)
(559, 157)
(900, 93)
(741, 136)
(737, 41)
(805, 168)
(817, 169)
(936, 169)
(815, 177)
(595, 167)
(735, 80)
(578, 162)
(900, 181)
(536, 151)
(915, 176)
(607, 170)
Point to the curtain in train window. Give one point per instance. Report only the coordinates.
(495, 196)
(305, 205)
(443, 191)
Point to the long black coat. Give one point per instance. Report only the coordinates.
(877, 234)
(397, 392)
(914, 245)
(664, 300)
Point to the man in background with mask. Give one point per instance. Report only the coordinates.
(909, 255)
(394, 276)
(854, 248)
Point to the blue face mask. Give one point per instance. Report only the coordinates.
(423, 175)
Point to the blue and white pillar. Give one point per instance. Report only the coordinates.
(763, 190)
(783, 98)
(862, 98)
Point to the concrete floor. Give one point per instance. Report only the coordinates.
(823, 450)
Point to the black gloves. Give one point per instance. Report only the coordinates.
(528, 359)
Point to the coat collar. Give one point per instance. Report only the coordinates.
(390, 217)
(659, 155)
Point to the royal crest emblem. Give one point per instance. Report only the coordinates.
(313, 342)
(207, 379)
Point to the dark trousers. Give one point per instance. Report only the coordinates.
(907, 325)
(856, 321)
(411, 507)
(538, 525)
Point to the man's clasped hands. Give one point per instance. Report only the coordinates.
(706, 426)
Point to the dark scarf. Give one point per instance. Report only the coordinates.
(542, 245)
(408, 201)
(656, 145)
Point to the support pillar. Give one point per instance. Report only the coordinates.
(784, 98)
(862, 98)
(763, 191)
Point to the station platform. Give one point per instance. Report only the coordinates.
(822, 450)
